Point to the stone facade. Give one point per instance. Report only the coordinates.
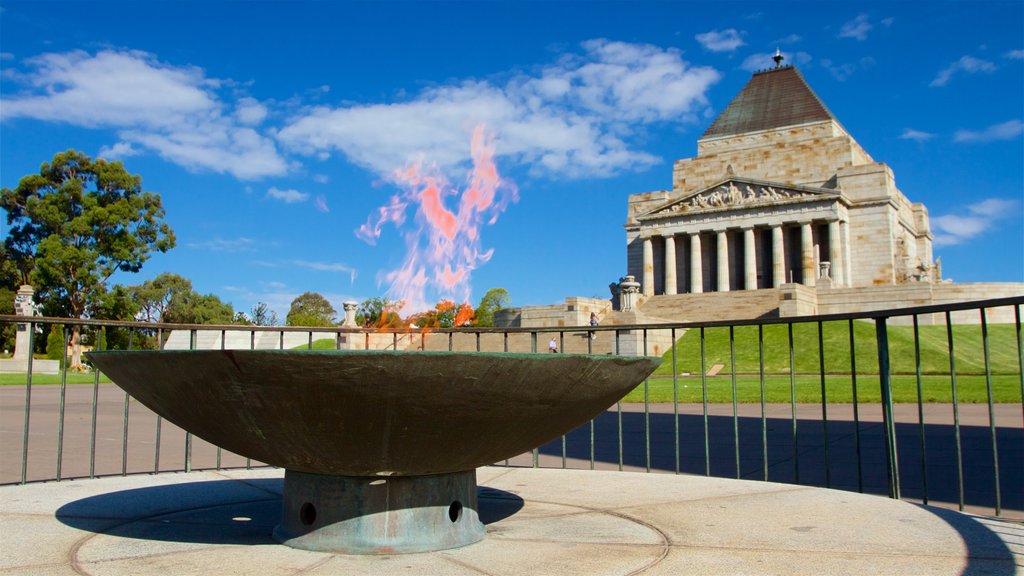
(768, 205)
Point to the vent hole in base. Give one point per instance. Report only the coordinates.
(307, 514)
(455, 511)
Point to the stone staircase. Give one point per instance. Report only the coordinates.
(710, 306)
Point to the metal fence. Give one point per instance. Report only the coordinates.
(923, 404)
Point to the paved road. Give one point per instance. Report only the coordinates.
(647, 442)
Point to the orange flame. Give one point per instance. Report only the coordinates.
(445, 248)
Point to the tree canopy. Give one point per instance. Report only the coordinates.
(495, 299)
(76, 223)
(262, 315)
(196, 308)
(155, 297)
(311, 309)
(379, 312)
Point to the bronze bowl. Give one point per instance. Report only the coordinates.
(339, 421)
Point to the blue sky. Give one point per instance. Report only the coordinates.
(273, 131)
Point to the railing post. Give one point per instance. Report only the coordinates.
(28, 399)
(63, 399)
(885, 381)
(95, 405)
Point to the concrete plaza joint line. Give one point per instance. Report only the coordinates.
(538, 522)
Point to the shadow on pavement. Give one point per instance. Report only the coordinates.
(849, 466)
(213, 512)
(986, 553)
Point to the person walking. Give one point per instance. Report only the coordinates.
(553, 346)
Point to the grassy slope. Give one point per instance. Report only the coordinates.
(968, 349)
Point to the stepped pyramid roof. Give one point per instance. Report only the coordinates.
(773, 98)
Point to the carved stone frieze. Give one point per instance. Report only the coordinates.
(734, 194)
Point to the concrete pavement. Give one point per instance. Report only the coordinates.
(538, 522)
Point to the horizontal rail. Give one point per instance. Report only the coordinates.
(867, 315)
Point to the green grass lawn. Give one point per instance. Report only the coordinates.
(968, 349)
(838, 389)
(73, 378)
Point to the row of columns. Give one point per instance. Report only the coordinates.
(836, 257)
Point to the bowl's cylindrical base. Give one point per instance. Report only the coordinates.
(379, 515)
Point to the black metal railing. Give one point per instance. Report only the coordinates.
(952, 437)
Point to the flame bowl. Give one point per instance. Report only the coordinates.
(374, 413)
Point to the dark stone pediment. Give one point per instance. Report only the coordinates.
(739, 193)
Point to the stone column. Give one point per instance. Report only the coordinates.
(835, 253)
(670, 264)
(696, 266)
(749, 260)
(778, 257)
(648, 279)
(723, 261)
(807, 254)
(844, 232)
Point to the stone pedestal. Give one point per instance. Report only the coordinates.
(629, 291)
(382, 515)
(350, 314)
(23, 306)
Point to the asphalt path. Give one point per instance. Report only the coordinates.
(66, 441)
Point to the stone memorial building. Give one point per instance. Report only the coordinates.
(779, 193)
(781, 214)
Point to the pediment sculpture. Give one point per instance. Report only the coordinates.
(733, 193)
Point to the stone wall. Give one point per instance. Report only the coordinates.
(796, 300)
(871, 245)
(575, 311)
(269, 340)
(809, 154)
(20, 366)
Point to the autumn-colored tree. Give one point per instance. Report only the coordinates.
(451, 316)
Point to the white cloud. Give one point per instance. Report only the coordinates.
(327, 267)
(110, 88)
(571, 118)
(791, 39)
(576, 117)
(175, 111)
(857, 28)
(842, 72)
(1014, 55)
(321, 178)
(956, 229)
(721, 40)
(6, 56)
(1004, 131)
(250, 112)
(967, 64)
(911, 134)
(763, 60)
(225, 245)
(287, 196)
(118, 151)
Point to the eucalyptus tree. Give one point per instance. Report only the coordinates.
(76, 223)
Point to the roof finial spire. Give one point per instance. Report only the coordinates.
(778, 58)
